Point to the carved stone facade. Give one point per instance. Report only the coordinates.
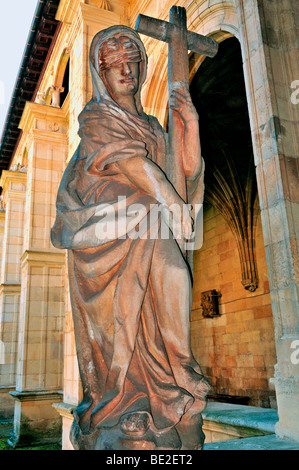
(250, 245)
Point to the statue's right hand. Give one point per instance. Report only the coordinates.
(182, 223)
(181, 102)
(187, 223)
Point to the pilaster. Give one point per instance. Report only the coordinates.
(40, 340)
(269, 48)
(72, 383)
(13, 184)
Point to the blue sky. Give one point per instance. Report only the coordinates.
(15, 20)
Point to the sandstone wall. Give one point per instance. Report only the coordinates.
(236, 350)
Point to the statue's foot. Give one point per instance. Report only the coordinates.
(135, 424)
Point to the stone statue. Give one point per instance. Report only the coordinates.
(41, 97)
(55, 91)
(131, 287)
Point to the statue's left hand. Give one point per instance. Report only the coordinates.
(180, 101)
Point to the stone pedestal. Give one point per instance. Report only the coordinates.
(35, 420)
(66, 412)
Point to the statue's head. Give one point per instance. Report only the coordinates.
(119, 58)
(118, 63)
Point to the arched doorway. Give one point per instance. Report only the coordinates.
(237, 349)
(218, 92)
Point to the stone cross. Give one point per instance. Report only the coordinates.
(179, 40)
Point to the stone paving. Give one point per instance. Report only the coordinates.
(259, 420)
(254, 417)
(269, 442)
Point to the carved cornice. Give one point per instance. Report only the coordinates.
(70, 10)
(43, 257)
(7, 288)
(104, 18)
(37, 395)
(65, 409)
(8, 176)
(35, 110)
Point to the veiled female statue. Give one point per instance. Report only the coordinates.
(131, 295)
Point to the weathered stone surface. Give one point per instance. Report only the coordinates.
(142, 387)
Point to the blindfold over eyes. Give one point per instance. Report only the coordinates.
(115, 51)
(113, 60)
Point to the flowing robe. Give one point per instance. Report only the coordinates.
(130, 295)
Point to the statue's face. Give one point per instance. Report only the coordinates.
(119, 60)
(122, 79)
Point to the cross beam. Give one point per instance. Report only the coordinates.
(179, 40)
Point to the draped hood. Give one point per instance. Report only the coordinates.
(99, 92)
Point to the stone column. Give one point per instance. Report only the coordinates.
(269, 41)
(39, 378)
(14, 192)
